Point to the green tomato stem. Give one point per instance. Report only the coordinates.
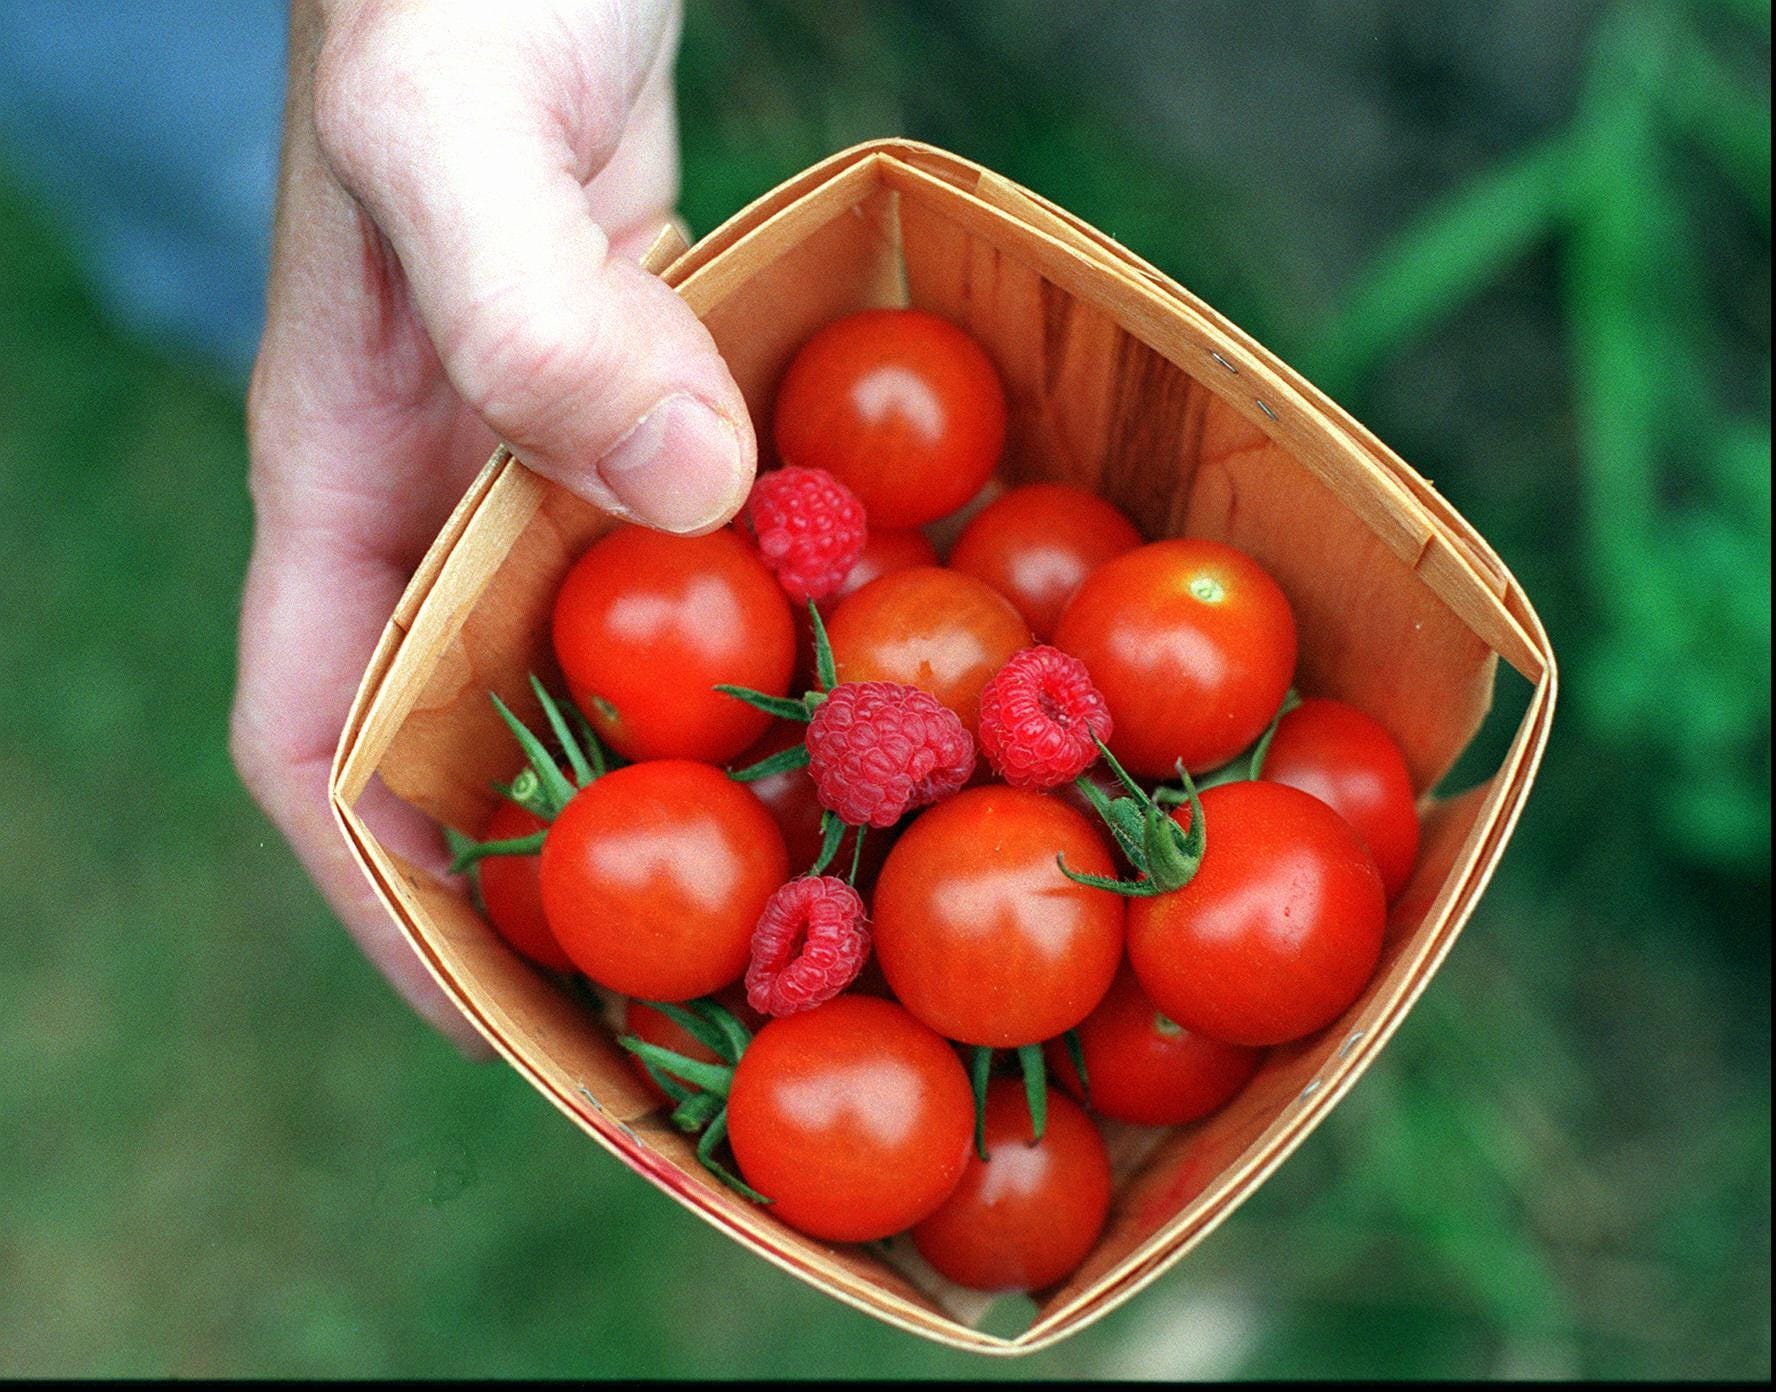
(1076, 1054)
(589, 740)
(1290, 700)
(1035, 1088)
(717, 1132)
(1129, 889)
(696, 1111)
(480, 850)
(710, 1077)
(832, 831)
(1166, 855)
(824, 669)
(669, 1085)
(556, 789)
(856, 857)
(1121, 815)
(693, 1024)
(795, 757)
(526, 790)
(735, 1036)
(1174, 855)
(783, 707)
(980, 1068)
(564, 735)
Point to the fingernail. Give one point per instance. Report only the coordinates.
(681, 468)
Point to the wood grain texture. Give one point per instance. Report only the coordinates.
(1121, 381)
(823, 261)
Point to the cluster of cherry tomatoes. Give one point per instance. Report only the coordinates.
(1216, 883)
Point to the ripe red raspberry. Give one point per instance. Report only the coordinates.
(1038, 714)
(809, 945)
(809, 527)
(877, 749)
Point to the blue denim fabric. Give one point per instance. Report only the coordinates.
(152, 129)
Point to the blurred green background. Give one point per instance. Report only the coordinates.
(1529, 246)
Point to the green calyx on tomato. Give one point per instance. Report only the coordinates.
(1035, 1071)
(832, 835)
(832, 830)
(1249, 766)
(541, 788)
(699, 1090)
(1165, 854)
(1075, 1048)
(800, 708)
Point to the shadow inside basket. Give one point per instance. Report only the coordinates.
(1116, 381)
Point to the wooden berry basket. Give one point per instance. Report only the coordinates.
(1119, 380)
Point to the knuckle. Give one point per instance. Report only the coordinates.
(254, 763)
(276, 775)
(513, 363)
(374, 83)
(269, 430)
(339, 115)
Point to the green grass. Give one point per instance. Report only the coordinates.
(225, 1149)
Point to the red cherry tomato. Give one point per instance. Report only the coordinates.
(654, 877)
(853, 1118)
(1144, 1068)
(790, 798)
(901, 406)
(1350, 763)
(980, 934)
(512, 893)
(936, 629)
(646, 624)
(655, 1027)
(1026, 1216)
(1193, 646)
(1278, 932)
(884, 553)
(1036, 544)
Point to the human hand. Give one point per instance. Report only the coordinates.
(463, 192)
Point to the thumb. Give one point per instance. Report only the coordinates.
(593, 371)
(612, 388)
